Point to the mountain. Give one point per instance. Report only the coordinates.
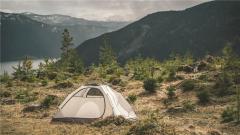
(201, 29)
(39, 36)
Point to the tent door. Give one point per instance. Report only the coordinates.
(91, 108)
(90, 105)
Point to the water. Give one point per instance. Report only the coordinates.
(7, 66)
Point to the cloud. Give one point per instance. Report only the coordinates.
(114, 10)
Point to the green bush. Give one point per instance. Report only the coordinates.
(64, 84)
(114, 80)
(25, 96)
(4, 93)
(5, 77)
(223, 85)
(171, 92)
(188, 85)
(119, 120)
(49, 100)
(132, 98)
(228, 114)
(203, 77)
(151, 126)
(171, 76)
(150, 85)
(160, 79)
(51, 75)
(203, 96)
(9, 84)
(44, 82)
(179, 77)
(188, 105)
(24, 71)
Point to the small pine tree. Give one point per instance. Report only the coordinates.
(150, 85)
(24, 70)
(171, 92)
(75, 63)
(106, 54)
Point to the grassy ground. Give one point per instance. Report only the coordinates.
(201, 121)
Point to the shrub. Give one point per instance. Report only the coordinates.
(179, 77)
(171, 75)
(203, 96)
(132, 98)
(49, 100)
(5, 93)
(62, 76)
(5, 77)
(160, 79)
(44, 82)
(9, 84)
(203, 77)
(24, 96)
(223, 85)
(150, 85)
(188, 85)
(24, 71)
(114, 80)
(63, 85)
(171, 92)
(119, 120)
(228, 114)
(151, 126)
(52, 75)
(188, 105)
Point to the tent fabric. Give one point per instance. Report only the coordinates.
(94, 102)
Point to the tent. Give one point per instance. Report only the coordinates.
(93, 102)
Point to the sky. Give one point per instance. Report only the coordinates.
(101, 10)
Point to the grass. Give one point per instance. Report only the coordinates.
(14, 121)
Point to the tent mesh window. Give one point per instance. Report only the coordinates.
(94, 92)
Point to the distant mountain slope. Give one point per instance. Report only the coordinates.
(40, 35)
(201, 29)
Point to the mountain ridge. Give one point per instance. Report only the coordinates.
(202, 29)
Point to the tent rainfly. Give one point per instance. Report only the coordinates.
(89, 103)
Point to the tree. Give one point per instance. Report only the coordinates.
(107, 55)
(70, 60)
(24, 70)
(75, 63)
(66, 43)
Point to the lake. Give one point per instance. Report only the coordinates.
(7, 66)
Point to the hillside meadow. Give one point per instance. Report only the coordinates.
(179, 96)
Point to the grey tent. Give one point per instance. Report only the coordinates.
(88, 103)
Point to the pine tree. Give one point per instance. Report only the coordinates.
(66, 44)
(107, 55)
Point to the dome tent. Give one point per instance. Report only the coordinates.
(93, 102)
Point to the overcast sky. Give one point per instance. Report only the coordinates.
(105, 10)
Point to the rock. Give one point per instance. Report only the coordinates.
(32, 108)
(214, 132)
(8, 101)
